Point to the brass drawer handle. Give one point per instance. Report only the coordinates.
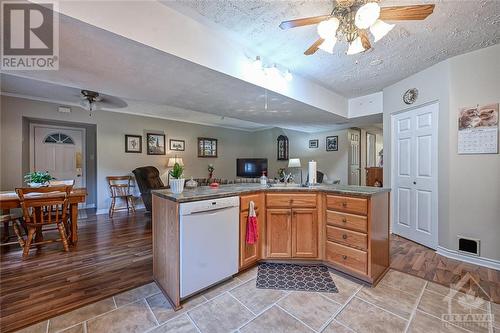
(344, 257)
(344, 236)
(344, 204)
(344, 220)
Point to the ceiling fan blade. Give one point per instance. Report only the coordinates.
(303, 21)
(364, 39)
(313, 48)
(403, 13)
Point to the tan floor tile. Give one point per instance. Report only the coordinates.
(81, 314)
(181, 324)
(37, 328)
(136, 294)
(75, 329)
(249, 274)
(424, 323)
(405, 282)
(437, 288)
(346, 289)
(163, 310)
(336, 327)
(254, 298)
(391, 299)
(275, 320)
(221, 288)
(312, 308)
(131, 318)
(363, 317)
(221, 314)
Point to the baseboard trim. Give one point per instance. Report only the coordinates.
(103, 211)
(481, 261)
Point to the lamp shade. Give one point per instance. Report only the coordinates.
(328, 45)
(379, 29)
(367, 15)
(294, 163)
(173, 160)
(355, 47)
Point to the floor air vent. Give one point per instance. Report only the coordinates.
(468, 245)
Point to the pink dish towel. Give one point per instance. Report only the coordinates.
(252, 227)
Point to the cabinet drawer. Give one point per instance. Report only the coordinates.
(290, 200)
(347, 204)
(347, 256)
(245, 201)
(347, 237)
(349, 221)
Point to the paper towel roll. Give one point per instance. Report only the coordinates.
(312, 172)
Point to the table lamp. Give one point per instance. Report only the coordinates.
(295, 163)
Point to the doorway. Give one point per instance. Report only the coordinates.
(354, 156)
(414, 174)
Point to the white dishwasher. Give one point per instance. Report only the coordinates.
(209, 242)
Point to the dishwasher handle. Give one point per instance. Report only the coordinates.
(209, 212)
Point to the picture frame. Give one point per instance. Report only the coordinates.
(282, 148)
(156, 144)
(207, 147)
(332, 143)
(314, 144)
(133, 143)
(177, 145)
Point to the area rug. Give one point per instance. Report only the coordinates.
(295, 277)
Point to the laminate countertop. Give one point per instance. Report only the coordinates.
(206, 192)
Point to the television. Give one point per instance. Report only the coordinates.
(251, 167)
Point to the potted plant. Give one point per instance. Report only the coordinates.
(177, 181)
(38, 178)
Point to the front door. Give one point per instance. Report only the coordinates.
(354, 157)
(60, 151)
(414, 174)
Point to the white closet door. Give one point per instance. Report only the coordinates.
(414, 174)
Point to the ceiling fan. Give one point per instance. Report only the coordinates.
(92, 101)
(351, 20)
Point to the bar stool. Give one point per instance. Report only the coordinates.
(119, 187)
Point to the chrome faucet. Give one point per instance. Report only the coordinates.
(287, 177)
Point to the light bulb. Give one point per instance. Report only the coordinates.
(288, 75)
(355, 47)
(328, 45)
(367, 15)
(327, 29)
(85, 103)
(379, 29)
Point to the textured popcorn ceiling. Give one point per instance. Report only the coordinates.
(454, 28)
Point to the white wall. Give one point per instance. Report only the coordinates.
(332, 164)
(469, 185)
(111, 156)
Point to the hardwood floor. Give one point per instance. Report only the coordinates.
(111, 256)
(114, 255)
(418, 260)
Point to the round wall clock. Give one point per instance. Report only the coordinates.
(410, 96)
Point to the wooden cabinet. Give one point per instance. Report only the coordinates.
(304, 233)
(374, 175)
(282, 200)
(250, 254)
(279, 230)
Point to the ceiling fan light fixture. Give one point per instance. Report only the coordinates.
(288, 75)
(257, 63)
(355, 47)
(379, 29)
(328, 45)
(328, 28)
(367, 15)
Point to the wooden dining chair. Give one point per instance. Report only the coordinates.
(7, 219)
(41, 207)
(120, 188)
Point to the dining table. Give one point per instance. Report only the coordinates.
(9, 200)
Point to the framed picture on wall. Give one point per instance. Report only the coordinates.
(156, 144)
(133, 143)
(177, 145)
(332, 143)
(314, 143)
(207, 147)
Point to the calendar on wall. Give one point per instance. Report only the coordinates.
(478, 130)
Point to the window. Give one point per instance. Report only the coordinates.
(59, 138)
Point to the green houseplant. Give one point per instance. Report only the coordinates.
(38, 178)
(177, 181)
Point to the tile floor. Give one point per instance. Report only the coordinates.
(400, 303)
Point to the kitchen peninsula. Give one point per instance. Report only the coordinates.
(199, 236)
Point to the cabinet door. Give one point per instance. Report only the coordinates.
(304, 233)
(249, 253)
(279, 233)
